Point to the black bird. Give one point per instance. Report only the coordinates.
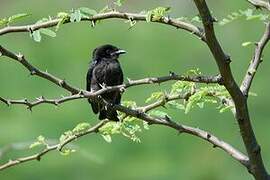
(105, 70)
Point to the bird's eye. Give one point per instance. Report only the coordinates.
(108, 51)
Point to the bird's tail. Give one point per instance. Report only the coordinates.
(109, 114)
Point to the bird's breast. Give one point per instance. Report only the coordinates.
(109, 73)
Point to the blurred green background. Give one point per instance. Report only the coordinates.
(153, 50)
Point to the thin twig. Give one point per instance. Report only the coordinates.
(255, 62)
(47, 149)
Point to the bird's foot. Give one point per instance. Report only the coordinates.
(103, 86)
(109, 106)
(122, 90)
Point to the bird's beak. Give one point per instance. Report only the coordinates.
(118, 52)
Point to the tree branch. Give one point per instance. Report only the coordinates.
(255, 62)
(260, 4)
(136, 113)
(257, 168)
(35, 71)
(47, 149)
(80, 93)
(113, 14)
(139, 113)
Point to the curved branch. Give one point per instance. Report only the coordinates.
(255, 62)
(35, 71)
(113, 14)
(80, 93)
(47, 149)
(138, 113)
(257, 168)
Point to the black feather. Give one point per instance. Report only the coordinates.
(105, 70)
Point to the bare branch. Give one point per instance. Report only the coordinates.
(260, 4)
(35, 71)
(93, 95)
(257, 168)
(47, 149)
(255, 62)
(113, 14)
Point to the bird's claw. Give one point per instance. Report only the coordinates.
(122, 90)
(103, 85)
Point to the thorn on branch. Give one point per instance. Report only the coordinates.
(122, 90)
(171, 73)
(30, 108)
(93, 23)
(208, 136)
(129, 80)
(38, 158)
(20, 57)
(62, 83)
(228, 59)
(29, 28)
(81, 93)
(33, 72)
(8, 102)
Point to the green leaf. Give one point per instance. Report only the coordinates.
(158, 113)
(155, 96)
(62, 14)
(110, 128)
(40, 141)
(66, 152)
(157, 13)
(224, 21)
(195, 98)
(105, 9)
(16, 17)
(35, 144)
(82, 127)
(196, 19)
(176, 105)
(247, 12)
(76, 16)
(145, 125)
(244, 44)
(129, 104)
(107, 138)
(200, 104)
(119, 2)
(65, 136)
(3, 21)
(226, 108)
(257, 16)
(88, 11)
(252, 94)
(149, 16)
(47, 32)
(36, 36)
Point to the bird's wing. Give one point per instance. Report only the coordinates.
(89, 84)
(118, 94)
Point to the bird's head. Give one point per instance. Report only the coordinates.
(107, 52)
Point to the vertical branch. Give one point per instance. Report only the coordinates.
(257, 168)
(256, 60)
